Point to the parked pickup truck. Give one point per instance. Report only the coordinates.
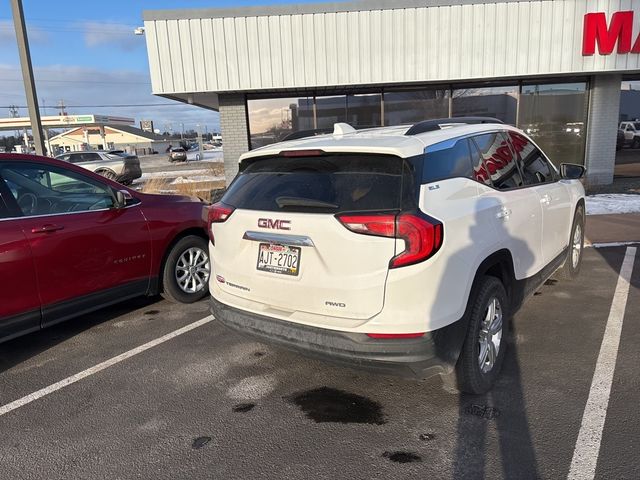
(631, 132)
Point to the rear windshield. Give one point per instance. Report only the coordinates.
(328, 183)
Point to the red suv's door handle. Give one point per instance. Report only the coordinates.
(46, 228)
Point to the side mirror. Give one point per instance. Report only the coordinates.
(121, 198)
(572, 171)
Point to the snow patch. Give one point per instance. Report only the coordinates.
(197, 178)
(206, 156)
(608, 203)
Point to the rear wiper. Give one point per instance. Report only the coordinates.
(284, 202)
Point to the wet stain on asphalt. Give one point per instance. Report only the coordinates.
(152, 312)
(402, 457)
(482, 411)
(243, 407)
(551, 281)
(200, 442)
(427, 437)
(331, 405)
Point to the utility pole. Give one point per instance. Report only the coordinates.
(27, 75)
(61, 106)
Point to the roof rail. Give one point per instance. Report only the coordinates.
(435, 124)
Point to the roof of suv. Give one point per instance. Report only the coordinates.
(383, 140)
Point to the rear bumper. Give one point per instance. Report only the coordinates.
(435, 352)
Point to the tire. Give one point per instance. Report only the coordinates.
(473, 375)
(573, 262)
(109, 174)
(635, 143)
(185, 260)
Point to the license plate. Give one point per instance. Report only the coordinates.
(281, 259)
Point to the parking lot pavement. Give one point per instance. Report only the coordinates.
(212, 404)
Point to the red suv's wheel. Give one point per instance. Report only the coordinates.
(186, 271)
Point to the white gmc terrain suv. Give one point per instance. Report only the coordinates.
(405, 249)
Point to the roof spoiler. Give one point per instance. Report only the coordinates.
(435, 124)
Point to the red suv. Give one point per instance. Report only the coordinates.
(72, 241)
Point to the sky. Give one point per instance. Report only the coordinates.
(85, 53)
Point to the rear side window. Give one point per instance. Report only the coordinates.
(90, 157)
(500, 160)
(323, 184)
(535, 167)
(447, 160)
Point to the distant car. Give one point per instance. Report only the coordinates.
(631, 131)
(178, 155)
(115, 164)
(73, 242)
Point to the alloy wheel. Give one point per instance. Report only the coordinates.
(576, 249)
(193, 270)
(490, 336)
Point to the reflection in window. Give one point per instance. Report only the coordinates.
(272, 119)
(364, 110)
(555, 117)
(499, 159)
(496, 102)
(330, 110)
(410, 107)
(356, 110)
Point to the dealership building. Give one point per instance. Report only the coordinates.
(552, 67)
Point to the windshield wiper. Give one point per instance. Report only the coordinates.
(284, 202)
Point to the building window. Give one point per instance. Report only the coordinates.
(402, 108)
(364, 110)
(555, 117)
(330, 110)
(272, 119)
(496, 102)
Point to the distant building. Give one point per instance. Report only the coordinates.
(120, 137)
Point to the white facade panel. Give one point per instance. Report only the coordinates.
(465, 41)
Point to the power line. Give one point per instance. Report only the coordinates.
(114, 106)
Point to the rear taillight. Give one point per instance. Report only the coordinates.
(422, 238)
(381, 225)
(422, 235)
(217, 213)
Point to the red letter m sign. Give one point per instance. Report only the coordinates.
(619, 32)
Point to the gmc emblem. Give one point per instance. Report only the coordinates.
(274, 224)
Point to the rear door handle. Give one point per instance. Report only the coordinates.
(47, 228)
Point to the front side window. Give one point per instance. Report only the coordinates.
(447, 160)
(535, 167)
(46, 190)
(500, 160)
(3, 208)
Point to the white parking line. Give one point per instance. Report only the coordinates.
(21, 402)
(585, 454)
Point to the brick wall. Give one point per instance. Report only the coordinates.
(602, 126)
(235, 136)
